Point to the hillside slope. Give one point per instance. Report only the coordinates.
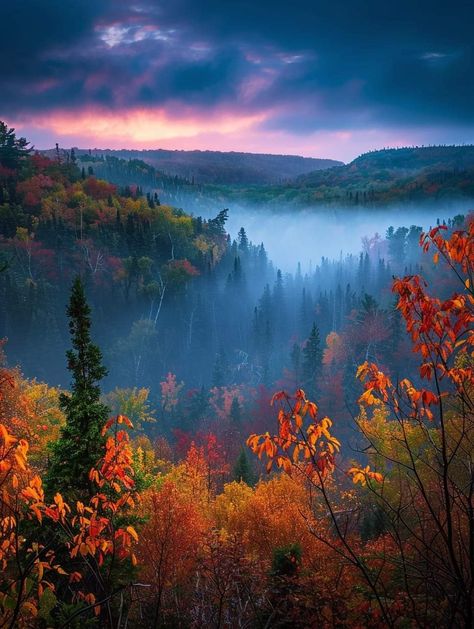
(378, 178)
(217, 167)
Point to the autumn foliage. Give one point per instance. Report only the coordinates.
(420, 439)
(89, 534)
(163, 517)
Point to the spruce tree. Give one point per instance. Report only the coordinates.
(235, 413)
(295, 358)
(220, 370)
(80, 444)
(13, 150)
(243, 472)
(243, 240)
(312, 362)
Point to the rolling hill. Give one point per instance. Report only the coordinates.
(215, 167)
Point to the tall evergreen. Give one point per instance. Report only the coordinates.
(243, 240)
(235, 413)
(312, 361)
(13, 150)
(80, 444)
(220, 370)
(243, 472)
(295, 358)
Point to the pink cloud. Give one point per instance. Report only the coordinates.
(224, 130)
(140, 127)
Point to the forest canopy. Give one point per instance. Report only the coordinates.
(190, 436)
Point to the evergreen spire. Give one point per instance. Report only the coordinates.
(312, 362)
(243, 472)
(243, 240)
(81, 444)
(235, 412)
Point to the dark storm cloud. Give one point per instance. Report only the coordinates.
(316, 64)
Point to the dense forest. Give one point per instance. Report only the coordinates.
(417, 175)
(437, 175)
(216, 167)
(191, 436)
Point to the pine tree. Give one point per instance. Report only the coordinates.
(81, 444)
(243, 240)
(13, 150)
(295, 358)
(220, 370)
(197, 408)
(243, 472)
(235, 413)
(312, 362)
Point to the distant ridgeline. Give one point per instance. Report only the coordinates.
(214, 167)
(389, 176)
(207, 179)
(173, 294)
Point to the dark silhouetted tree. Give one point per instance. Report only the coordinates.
(81, 443)
(243, 472)
(312, 361)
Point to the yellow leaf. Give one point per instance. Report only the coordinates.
(362, 370)
(436, 258)
(20, 459)
(367, 397)
(132, 532)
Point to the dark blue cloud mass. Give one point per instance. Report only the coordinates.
(315, 65)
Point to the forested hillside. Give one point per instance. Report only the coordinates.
(172, 293)
(147, 357)
(386, 177)
(390, 177)
(218, 167)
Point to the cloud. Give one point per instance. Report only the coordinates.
(295, 69)
(142, 126)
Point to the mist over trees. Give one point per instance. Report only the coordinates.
(356, 510)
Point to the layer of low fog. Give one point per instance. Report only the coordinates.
(307, 235)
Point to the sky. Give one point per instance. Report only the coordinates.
(310, 77)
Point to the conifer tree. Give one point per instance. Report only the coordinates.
(295, 357)
(243, 472)
(220, 370)
(235, 413)
(80, 444)
(243, 240)
(12, 149)
(312, 361)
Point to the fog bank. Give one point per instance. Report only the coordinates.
(306, 236)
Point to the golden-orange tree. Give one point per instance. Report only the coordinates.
(420, 434)
(168, 549)
(427, 447)
(305, 447)
(33, 534)
(27, 559)
(25, 562)
(96, 534)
